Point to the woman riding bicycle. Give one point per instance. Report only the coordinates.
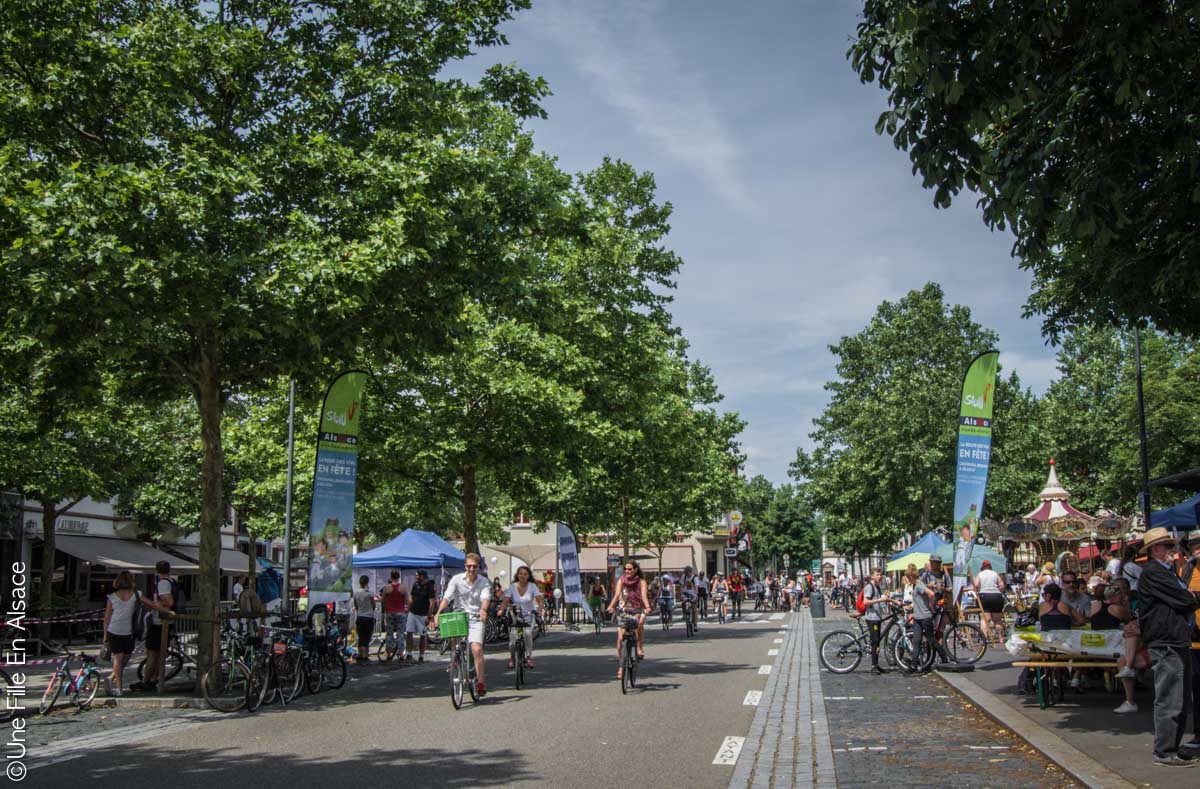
(596, 595)
(633, 598)
(719, 591)
(527, 598)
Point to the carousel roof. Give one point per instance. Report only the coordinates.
(1056, 501)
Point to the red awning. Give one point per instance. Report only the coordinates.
(1092, 551)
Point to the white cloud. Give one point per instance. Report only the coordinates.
(637, 70)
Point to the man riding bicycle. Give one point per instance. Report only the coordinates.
(470, 592)
(689, 591)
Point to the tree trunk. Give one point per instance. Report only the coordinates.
(470, 527)
(624, 530)
(46, 594)
(924, 514)
(208, 397)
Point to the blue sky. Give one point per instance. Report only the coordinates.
(793, 218)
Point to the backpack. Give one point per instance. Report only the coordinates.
(860, 605)
(176, 594)
(139, 622)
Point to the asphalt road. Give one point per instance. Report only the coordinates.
(570, 726)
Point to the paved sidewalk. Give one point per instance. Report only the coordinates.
(788, 744)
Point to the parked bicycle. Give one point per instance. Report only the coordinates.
(278, 675)
(82, 687)
(842, 651)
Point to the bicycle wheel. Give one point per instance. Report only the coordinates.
(633, 664)
(259, 685)
(887, 645)
(386, 650)
(904, 658)
(50, 695)
(224, 685)
(687, 618)
(519, 661)
(841, 652)
(966, 643)
(86, 690)
(626, 670)
(457, 680)
(333, 669)
(172, 665)
(469, 660)
(291, 675)
(313, 678)
(538, 628)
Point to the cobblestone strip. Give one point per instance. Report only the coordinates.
(753, 750)
(823, 765)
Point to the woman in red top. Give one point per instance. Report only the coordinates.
(631, 594)
(395, 609)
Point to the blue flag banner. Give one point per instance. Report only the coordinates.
(568, 558)
(974, 457)
(331, 522)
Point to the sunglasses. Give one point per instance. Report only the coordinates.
(472, 567)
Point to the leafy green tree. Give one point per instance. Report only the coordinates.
(883, 463)
(231, 192)
(787, 527)
(1074, 123)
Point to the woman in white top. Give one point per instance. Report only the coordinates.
(525, 595)
(118, 626)
(990, 588)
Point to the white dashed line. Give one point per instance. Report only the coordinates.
(776, 617)
(764, 669)
(772, 652)
(727, 754)
(922, 697)
(752, 698)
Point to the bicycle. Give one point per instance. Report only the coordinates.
(279, 675)
(598, 618)
(703, 606)
(665, 612)
(82, 686)
(842, 651)
(518, 624)
(174, 661)
(689, 616)
(224, 683)
(719, 604)
(462, 671)
(629, 659)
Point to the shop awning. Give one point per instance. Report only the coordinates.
(232, 562)
(131, 555)
(594, 559)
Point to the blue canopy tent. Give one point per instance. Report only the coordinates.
(1182, 515)
(413, 549)
(269, 580)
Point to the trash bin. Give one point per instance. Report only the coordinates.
(816, 605)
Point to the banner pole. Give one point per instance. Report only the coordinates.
(287, 507)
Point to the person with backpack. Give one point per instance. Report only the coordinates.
(120, 609)
(872, 603)
(163, 602)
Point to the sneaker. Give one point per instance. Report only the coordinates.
(421, 659)
(1171, 760)
(1126, 673)
(480, 690)
(1126, 706)
(115, 693)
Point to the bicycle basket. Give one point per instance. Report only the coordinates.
(453, 624)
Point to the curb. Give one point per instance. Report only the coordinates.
(1070, 759)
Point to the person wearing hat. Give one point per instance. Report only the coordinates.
(1046, 577)
(420, 599)
(1191, 576)
(1165, 611)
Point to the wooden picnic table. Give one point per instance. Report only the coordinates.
(1046, 662)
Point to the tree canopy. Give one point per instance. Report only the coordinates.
(1076, 124)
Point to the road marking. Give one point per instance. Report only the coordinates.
(922, 697)
(776, 617)
(877, 748)
(752, 698)
(941, 697)
(777, 641)
(764, 669)
(772, 652)
(835, 698)
(729, 750)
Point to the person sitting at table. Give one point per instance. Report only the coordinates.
(1053, 613)
(1115, 613)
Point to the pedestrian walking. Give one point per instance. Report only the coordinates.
(364, 618)
(119, 611)
(163, 602)
(1166, 611)
(394, 595)
(420, 601)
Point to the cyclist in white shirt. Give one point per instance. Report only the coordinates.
(525, 596)
(470, 592)
(689, 587)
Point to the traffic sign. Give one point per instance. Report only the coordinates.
(816, 565)
(731, 553)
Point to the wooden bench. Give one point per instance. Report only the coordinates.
(1040, 667)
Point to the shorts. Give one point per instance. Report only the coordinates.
(992, 603)
(120, 645)
(153, 636)
(395, 622)
(415, 624)
(475, 632)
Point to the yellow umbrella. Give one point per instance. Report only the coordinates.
(901, 563)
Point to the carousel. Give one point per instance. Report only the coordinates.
(1055, 531)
